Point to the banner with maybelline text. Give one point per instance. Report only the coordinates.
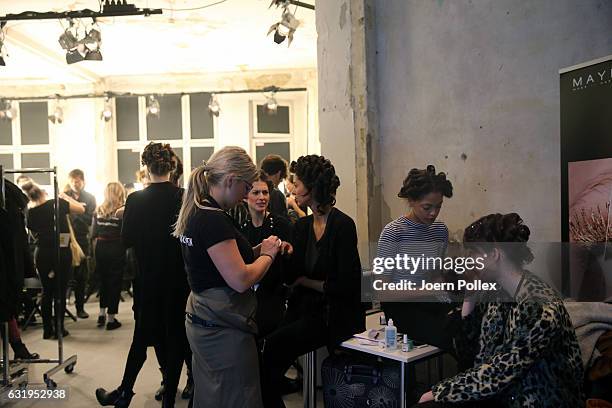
(586, 175)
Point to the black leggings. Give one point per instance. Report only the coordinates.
(110, 261)
(174, 351)
(292, 339)
(45, 261)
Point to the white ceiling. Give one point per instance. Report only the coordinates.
(226, 37)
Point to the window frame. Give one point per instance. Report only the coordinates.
(16, 148)
(185, 142)
(257, 137)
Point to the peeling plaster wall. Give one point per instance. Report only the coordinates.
(336, 120)
(472, 87)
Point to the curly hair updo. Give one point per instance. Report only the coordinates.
(319, 176)
(420, 182)
(502, 228)
(159, 158)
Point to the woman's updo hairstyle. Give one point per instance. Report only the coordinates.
(420, 182)
(319, 176)
(32, 190)
(502, 228)
(159, 158)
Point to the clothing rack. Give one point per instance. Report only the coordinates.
(66, 364)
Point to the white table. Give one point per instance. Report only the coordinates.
(419, 353)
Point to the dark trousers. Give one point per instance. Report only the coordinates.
(79, 279)
(54, 288)
(110, 261)
(174, 351)
(295, 337)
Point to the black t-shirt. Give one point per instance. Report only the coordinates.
(205, 229)
(41, 221)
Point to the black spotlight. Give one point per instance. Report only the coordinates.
(73, 56)
(93, 56)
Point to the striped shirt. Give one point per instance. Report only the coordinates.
(403, 236)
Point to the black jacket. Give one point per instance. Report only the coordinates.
(15, 257)
(82, 222)
(338, 261)
(160, 287)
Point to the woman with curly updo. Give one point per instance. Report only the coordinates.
(418, 233)
(160, 287)
(524, 351)
(325, 306)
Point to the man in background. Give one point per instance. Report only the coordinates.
(275, 168)
(81, 224)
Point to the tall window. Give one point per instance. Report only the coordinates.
(272, 132)
(183, 122)
(24, 141)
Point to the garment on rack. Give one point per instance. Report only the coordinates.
(16, 261)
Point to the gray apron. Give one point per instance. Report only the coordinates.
(225, 360)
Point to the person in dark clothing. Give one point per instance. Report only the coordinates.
(81, 224)
(53, 276)
(160, 287)
(275, 168)
(271, 293)
(15, 263)
(325, 307)
(110, 254)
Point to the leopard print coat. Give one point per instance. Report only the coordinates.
(527, 353)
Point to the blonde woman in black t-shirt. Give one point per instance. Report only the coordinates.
(222, 268)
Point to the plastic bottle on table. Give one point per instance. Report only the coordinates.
(390, 336)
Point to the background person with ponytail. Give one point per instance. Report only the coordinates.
(325, 307)
(222, 268)
(109, 253)
(160, 287)
(41, 223)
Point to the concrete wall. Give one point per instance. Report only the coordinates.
(472, 87)
(336, 115)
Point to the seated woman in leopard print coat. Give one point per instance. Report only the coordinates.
(524, 352)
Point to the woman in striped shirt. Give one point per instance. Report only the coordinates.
(417, 234)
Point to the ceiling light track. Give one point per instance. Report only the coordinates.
(269, 89)
(110, 9)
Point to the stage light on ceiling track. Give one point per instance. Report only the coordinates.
(107, 113)
(153, 108)
(81, 47)
(7, 111)
(285, 28)
(271, 105)
(2, 47)
(57, 117)
(213, 105)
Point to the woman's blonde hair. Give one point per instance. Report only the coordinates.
(230, 160)
(114, 198)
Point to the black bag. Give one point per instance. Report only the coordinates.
(351, 381)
